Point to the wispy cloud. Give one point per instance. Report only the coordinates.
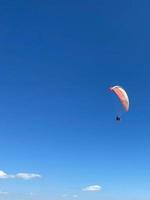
(68, 196)
(31, 194)
(3, 193)
(4, 175)
(64, 195)
(25, 176)
(75, 196)
(92, 188)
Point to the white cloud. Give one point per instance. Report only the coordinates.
(93, 188)
(3, 175)
(25, 176)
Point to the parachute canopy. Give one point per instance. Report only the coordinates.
(122, 95)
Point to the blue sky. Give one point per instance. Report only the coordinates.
(57, 117)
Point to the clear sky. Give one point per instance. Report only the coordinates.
(57, 119)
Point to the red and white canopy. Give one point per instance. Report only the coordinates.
(122, 95)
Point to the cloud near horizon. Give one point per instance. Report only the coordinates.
(75, 196)
(92, 188)
(24, 176)
(3, 193)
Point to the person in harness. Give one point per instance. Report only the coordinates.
(118, 118)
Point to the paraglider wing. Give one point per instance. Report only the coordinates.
(122, 95)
